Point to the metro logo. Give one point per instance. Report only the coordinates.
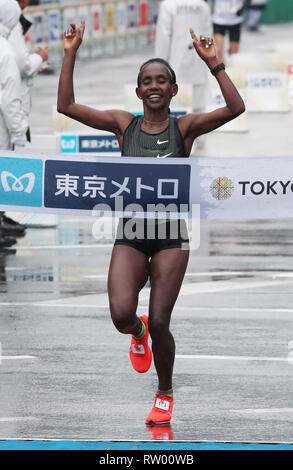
(68, 144)
(17, 182)
(21, 182)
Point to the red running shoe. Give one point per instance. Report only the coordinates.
(161, 412)
(139, 352)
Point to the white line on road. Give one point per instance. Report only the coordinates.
(271, 274)
(231, 358)
(17, 418)
(62, 247)
(236, 284)
(17, 357)
(187, 289)
(208, 273)
(185, 308)
(264, 410)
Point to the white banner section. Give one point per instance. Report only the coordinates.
(224, 188)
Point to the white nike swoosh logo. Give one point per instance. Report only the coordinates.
(164, 156)
(159, 142)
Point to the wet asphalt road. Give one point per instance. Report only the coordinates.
(65, 371)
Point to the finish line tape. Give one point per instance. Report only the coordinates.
(223, 188)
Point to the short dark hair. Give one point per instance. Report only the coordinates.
(157, 60)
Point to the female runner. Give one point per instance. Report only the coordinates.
(133, 261)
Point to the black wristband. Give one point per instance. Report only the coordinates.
(217, 69)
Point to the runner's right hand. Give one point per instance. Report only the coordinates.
(73, 36)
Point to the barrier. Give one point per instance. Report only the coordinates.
(101, 142)
(62, 123)
(41, 143)
(111, 26)
(267, 92)
(225, 188)
(216, 100)
(256, 62)
(262, 91)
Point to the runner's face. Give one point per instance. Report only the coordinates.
(155, 88)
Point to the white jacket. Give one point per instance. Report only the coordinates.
(13, 124)
(28, 64)
(173, 42)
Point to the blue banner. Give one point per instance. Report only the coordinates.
(60, 184)
(82, 185)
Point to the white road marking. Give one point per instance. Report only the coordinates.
(272, 274)
(17, 357)
(234, 309)
(62, 247)
(101, 300)
(231, 358)
(48, 304)
(264, 410)
(236, 284)
(216, 273)
(187, 289)
(18, 418)
(91, 299)
(106, 305)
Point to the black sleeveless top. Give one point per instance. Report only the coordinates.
(137, 143)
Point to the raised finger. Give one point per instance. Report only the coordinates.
(82, 26)
(193, 35)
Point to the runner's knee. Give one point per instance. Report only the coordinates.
(123, 315)
(158, 326)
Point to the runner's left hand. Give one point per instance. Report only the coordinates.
(205, 49)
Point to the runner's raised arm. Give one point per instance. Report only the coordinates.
(193, 125)
(112, 120)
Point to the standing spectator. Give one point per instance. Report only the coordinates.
(29, 64)
(173, 44)
(13, 124)
(255, 9)
(227, 17)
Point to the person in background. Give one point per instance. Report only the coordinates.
(255, 9)
(173, 43)
(227, 18)
(13, 122)
(29, 65)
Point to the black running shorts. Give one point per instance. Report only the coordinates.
(234, 31)
(152, 238)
